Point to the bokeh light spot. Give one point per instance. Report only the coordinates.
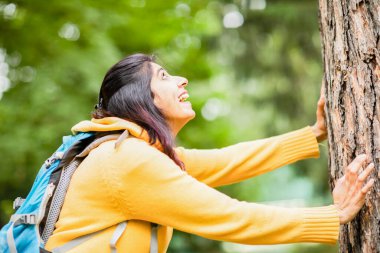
(69, 31)
(233, 19)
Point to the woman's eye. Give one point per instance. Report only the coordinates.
(164, 75)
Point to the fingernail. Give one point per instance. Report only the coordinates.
(371, 165)
(362, 156)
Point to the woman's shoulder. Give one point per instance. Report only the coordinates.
(132, 158)
(130, 150)
(135, 145)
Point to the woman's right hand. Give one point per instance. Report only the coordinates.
(349, 193)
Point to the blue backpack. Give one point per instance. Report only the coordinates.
(34, 220)
(27, 230)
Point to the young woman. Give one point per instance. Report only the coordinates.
(146, 180)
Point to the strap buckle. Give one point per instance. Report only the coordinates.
(56, 156)
(17, 203)
(24, 219)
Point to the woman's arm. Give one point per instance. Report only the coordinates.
(238, 162)
(152, 187)
(235, 163)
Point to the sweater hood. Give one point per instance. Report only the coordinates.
(113, 124)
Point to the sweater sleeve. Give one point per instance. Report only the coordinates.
(232, 164)
(152, 187)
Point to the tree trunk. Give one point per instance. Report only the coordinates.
(350, 31)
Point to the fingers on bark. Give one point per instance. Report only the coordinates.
(368, 186)
(363, 192)
(364, 175)
(356, 164)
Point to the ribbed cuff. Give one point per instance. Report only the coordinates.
(300, 144)
(320, 224)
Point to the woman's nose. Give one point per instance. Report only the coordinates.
(182, 82)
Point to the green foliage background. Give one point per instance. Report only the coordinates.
(258, 80)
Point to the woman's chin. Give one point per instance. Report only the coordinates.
(190, 114)
(186, 116)
(187, 110)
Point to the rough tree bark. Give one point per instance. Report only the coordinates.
(350, 31)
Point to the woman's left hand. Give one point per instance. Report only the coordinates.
(319, 128)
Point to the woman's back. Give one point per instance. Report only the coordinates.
(92, 202)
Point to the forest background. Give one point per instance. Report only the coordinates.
(254, 70)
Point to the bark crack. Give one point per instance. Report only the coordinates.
(371, 119)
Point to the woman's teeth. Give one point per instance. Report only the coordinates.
(183, 97)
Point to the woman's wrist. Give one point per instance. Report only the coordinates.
(320, 135)
(342, 219)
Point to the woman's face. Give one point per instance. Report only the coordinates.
(170, 97)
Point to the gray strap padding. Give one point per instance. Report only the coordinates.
(63, 185)
(97, 142)
(58, 198)
(11, 240)
(72, 244)
(16, 220)
(77, 241)
(121, 138)
(154, 239)
(116, 235)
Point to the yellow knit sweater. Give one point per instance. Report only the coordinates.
(139, 183)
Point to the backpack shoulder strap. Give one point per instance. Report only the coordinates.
(63, 184)
(59, 197)
(120, 228)
(96, 144)
(153, 238)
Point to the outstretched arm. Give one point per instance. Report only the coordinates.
(235, 163)
(156, 190)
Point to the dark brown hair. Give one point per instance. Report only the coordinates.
(126, 93)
